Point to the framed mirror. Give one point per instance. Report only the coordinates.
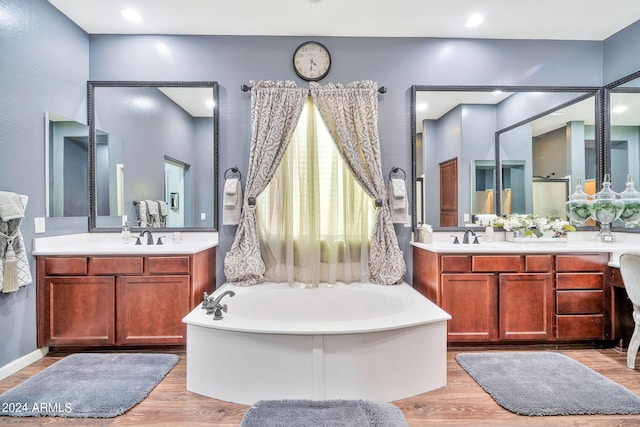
(153, 155)
(623, 138)
(67, 167)
(476, 128)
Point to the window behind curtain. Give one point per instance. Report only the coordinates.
(314, 219)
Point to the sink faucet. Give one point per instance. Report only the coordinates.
(149, 236)
(465, 239)
(213, 306)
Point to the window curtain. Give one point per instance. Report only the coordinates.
(351, 115)
(314, 219)
(275, 110)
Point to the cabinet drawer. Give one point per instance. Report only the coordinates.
(456, 264)
(498, 264)
(580, 302)
(582, 262)
(579, 327)
(116, 265)
(65, 266)
(579, 281)
(538, 263)
(174, 264)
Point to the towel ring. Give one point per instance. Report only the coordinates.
(234, 170)
(397, 169)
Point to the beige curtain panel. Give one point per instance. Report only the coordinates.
(351, 114)
(275, 110)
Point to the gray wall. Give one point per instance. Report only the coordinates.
(44, 67)
(47, 61)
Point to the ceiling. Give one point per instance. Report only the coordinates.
(504, 19)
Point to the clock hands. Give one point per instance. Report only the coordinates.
(312, 64)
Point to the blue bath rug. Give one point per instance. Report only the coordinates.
(323, 413)
(88, 385)
(540, 383)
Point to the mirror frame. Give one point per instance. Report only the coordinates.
(597, 92)
(91, 86)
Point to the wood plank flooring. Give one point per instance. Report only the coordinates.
(461, 403)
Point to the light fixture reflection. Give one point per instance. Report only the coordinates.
(132, 15)
(474, 20)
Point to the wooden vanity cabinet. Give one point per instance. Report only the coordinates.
(491, 297)
(119, 300)
(516, 297)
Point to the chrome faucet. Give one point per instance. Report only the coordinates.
(213, 306)
(149, 236)
(465, 239)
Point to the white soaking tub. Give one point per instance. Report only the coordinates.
(280, 341)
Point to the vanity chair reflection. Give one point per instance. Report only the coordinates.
(630, 271)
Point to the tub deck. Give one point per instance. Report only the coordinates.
(385, 361)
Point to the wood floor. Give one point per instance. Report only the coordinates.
(461, 403)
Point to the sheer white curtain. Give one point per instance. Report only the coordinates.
(314, 220)
(351, 115)
(275, 109)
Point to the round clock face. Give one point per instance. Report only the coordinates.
(312, 61)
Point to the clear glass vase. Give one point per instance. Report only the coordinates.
(606, 208)
(579, 206)
(631, 198)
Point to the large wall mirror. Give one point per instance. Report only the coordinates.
(153, 155)
(542, 138)
(623, 137)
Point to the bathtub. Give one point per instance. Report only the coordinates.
(280, 341)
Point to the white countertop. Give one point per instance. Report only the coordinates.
(577, 242)
(111, 244)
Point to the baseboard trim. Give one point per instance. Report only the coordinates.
(26, 360)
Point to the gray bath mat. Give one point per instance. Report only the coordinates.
(546, 383)
(323, 413)
(88, 385)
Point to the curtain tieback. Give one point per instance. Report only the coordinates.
(378, 203)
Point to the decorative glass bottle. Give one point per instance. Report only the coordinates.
(606, 208)
(631, 198)
(579, 206)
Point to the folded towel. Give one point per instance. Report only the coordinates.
(231, 186)
(10, 206)
(231, 214)
(399, 188)
(399, 207)
(230, 197)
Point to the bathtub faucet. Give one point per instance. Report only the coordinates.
(214, 307)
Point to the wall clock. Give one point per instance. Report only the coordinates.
(312, 61)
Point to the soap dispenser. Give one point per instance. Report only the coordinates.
(126, 233)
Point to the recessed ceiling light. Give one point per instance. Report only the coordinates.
(421, 107)
(474, 20)
(210, 103)
(131, 15)
(497, 92)
(620, 109)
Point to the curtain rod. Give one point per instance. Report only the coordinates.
(245, 88)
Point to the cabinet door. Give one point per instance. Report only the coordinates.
(471, 299)
(150, 309)
(526, 306)
(79, 311)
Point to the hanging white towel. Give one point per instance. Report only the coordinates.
(142, 213)
(163, 211)
(231, 212)
(398, 206)
(14, 265)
